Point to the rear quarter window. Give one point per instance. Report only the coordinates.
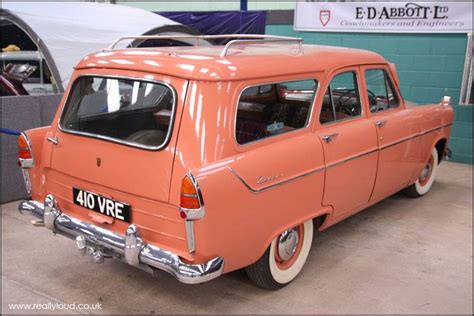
(128, 111)
(271, 109)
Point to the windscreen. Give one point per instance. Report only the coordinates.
(128, 111)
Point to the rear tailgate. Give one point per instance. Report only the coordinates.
(116, 139)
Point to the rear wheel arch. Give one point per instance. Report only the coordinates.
(267, 274)
(440, 148)
(423, 184)
(319, 219)
(272, 271)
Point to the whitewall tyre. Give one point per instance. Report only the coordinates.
(425, 181)
(284, 259)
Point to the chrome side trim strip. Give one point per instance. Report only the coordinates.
(352, 158)
(276, 184)
(334, 164)
(414, 136)
(399, 142)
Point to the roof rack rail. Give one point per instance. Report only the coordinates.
(237, 38)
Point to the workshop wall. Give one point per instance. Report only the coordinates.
(429, 66)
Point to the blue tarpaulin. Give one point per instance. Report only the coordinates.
(221, 22)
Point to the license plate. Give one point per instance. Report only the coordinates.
(101, 204)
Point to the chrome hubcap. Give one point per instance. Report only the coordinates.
(287, 243)
(426, 172)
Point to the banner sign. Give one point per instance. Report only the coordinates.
(394, 17)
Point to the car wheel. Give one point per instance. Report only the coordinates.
(424, 183)
(284, 259)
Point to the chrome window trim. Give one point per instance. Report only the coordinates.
(324, 168)
(115, 140)
(341, 120)
(308, 121)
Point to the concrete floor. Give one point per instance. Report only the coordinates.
(400, 256)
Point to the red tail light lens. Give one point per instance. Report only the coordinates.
(189, 194)
(24, 149)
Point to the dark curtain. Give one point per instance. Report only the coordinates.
(221, 22)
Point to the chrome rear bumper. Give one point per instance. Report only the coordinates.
(101, 243)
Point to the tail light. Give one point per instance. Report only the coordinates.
(25, 154)
(191, 207)
(191, 203)
(25, 159)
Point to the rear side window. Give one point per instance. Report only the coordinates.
(341, 100)
(272, 109)
(380, 90)
(128, 111)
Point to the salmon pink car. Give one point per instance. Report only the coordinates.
(202, 160)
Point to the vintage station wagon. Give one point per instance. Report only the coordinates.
(199, 161)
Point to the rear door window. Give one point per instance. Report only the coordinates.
(271, 109)
(128, 111)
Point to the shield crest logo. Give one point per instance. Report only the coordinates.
(324, 17)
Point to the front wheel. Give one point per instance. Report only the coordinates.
(424, 183)
(284, 259)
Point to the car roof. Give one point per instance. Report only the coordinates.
(244, 61)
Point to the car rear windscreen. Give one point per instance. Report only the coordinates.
(128, 111)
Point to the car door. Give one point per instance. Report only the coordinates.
(395, 130)
(349, 140)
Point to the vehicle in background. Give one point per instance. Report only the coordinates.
(12, 78)
(200, 161)
(40, 81)
(47, 27)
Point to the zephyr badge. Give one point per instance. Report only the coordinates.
(98, 161)
(262, 179)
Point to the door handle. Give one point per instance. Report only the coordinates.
(53, 140)
(329, 138)
(381, 123)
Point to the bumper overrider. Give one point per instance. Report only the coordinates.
(101, 243)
